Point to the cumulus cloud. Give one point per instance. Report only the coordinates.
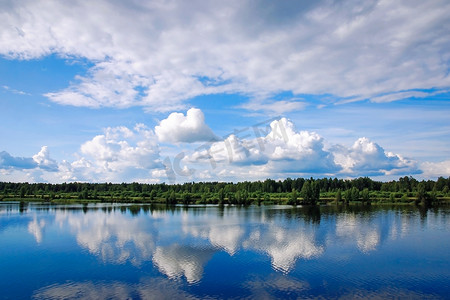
(159, 54)
(285, 150)
(369, 158)
(282, 149)
(303, 150)
(187, 128)
(117, 155)
(114, 150)
(44, 161)
(278, 150)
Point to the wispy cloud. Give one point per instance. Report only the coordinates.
(14, 91)
(171, 51)
(405, 95)
(274, 107)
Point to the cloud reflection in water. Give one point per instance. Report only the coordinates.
(181, 242)
(353, 228)
(36, 227)
(178, 260)
(116, 238)
(284, 246)
(149, 288)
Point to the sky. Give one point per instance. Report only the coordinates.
(180, 91)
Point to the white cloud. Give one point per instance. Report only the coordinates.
(23, 175)
(306, 149)
(436, 169)
(274, 107)
(120, 154)
(185, 129)
(404, 95)
(276, 151)
(232, 150)
(174, 51)
(368, 158)
(44, 160)
(283, 151)
(14, 91)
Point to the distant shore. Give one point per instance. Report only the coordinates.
(299, 191)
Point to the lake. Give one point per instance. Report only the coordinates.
(100, 251)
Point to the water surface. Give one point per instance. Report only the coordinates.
(149, 252)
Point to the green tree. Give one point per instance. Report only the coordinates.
(293, 198)
(244, 197)
(365, 195)
(421, 193)
(316, 192)
(237, 196)
(338, 196)
(354, 194)
(404, 198)
(172, 198)
(231, 198)
(306, 192)
(432, 197)
(85, 193)
(348, 196)
(186, 198)
(203, 199)
(221, 195)
(23, 191)
(310, 192)
(392, 197)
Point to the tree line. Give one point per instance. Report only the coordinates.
(288, 191)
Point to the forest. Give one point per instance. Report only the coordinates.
(405, 190)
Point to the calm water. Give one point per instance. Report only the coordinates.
(148, 252)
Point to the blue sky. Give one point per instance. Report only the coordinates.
(156, 91)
